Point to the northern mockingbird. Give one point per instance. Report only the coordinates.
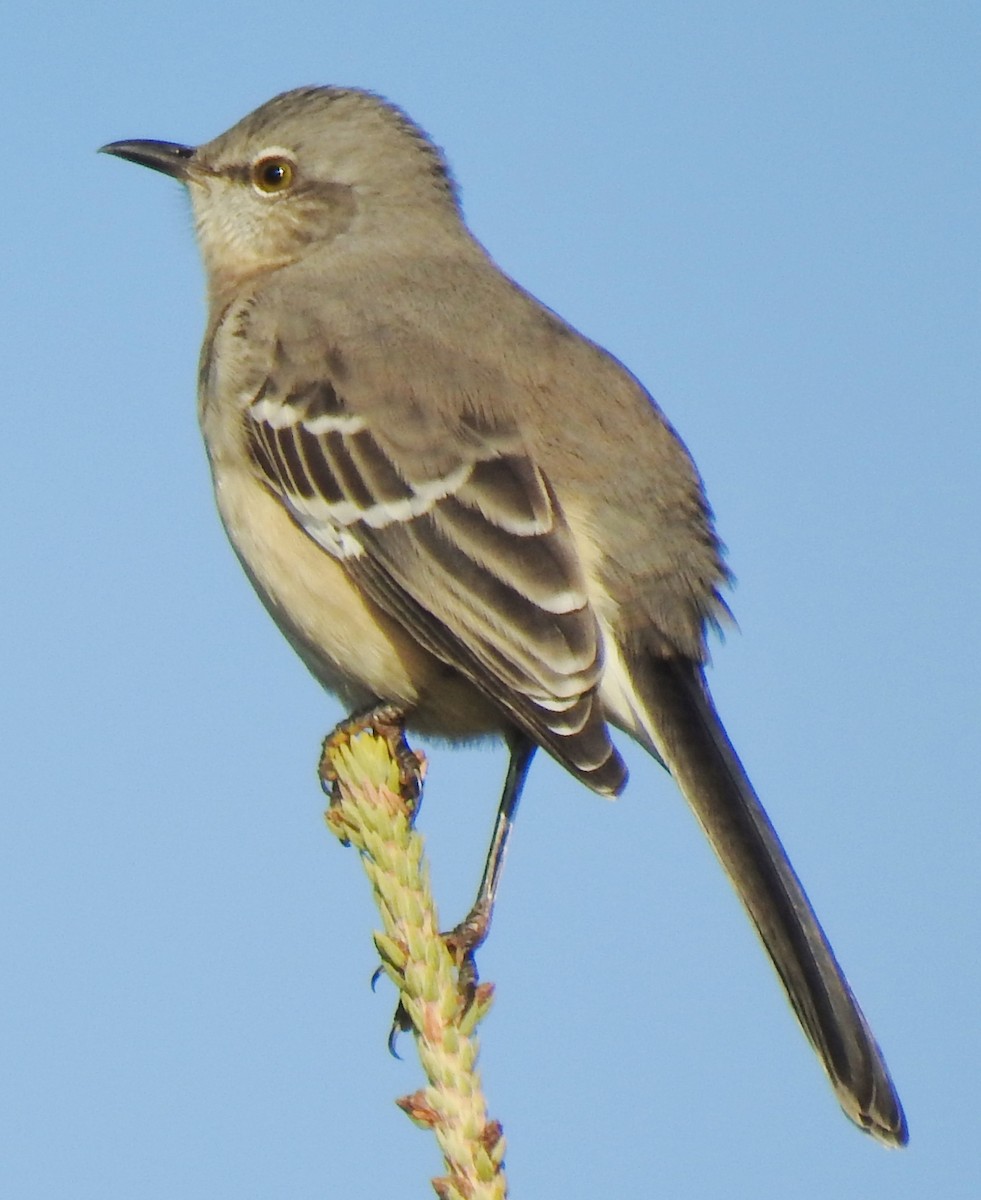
(450, 500)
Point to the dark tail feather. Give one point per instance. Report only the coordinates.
(688, 734)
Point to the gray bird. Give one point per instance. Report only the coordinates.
(451, 501)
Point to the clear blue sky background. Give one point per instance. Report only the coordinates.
(770, 212)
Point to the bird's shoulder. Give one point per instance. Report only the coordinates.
(442, 332)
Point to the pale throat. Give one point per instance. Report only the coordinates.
(237, 243)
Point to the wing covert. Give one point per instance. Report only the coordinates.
(474, 558)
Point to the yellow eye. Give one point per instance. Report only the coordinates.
(272, 174)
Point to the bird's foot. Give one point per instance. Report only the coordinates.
(462, 941)
(386, 721)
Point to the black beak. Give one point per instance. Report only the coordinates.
(169, 157)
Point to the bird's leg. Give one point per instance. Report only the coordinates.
(388, 721)
(465, 938)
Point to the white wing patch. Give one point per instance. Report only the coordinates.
(462, 540)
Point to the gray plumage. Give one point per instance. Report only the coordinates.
(451, 500)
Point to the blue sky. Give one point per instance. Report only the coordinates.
(770, 213)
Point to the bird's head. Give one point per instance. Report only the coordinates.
(306, 168)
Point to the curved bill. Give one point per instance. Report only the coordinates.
(171, 158)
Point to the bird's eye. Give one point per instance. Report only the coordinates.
(273, 174)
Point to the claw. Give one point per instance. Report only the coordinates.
(400, 1024)
(387, 721)
(462, 942)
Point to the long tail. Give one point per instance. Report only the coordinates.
(681, 722)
